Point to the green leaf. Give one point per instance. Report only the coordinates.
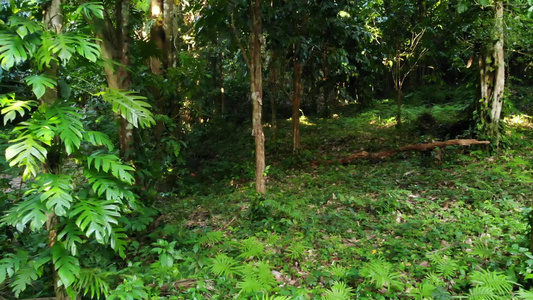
(68, 125)
(11, 107)
(91, 9)
(110, 163)
(44, 55)
(223, 265)
(93, 281)
(12, 50)
(71, 236)
(67, 266)
(114, 189)
(97, 138)
(39, 83)
(31, 210)
(95, 217)
(27, 153)
(56, 191)
(24, 26)
(484, 3)
(64, 45)
(88, 49)
(23, 278)
(118, 241)
(131, 107)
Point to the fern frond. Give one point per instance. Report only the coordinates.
(380, 273)
(250, 285)
(223, 265)
(267, 297)
(93, 282)
(525, 295)
(482, 293)
(211, 238)
(251, 247)
(339, 291)
(130, 106)
(496, 281)
(12, 106)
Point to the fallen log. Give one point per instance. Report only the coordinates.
(417, 147)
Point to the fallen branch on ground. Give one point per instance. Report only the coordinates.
(417, 147)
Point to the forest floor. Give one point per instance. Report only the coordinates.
(414, 226)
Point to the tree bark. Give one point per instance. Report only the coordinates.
(256, 85)
(114, 46)
(296, 100)
(492, 78)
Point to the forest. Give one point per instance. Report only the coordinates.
(266, 150)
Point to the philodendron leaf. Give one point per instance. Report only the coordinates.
(39, 83)
(67, 266)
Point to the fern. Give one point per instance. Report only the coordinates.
(95, 217)
(338, 271)
(55, 191)
(482, 249)
(423, 290)
(339, 291)
(380, 273)
(482, 293)
(12, 51)
(499, 283)
(267, 297)
(296, 250)
(211, 238)
(223, 265)
(256, 277)
(446, 266)
(251, 247)
(11, 107)
(526, 295)
(110, 163)
(93, 282)
(131, 107)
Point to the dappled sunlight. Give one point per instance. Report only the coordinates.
(520, 120)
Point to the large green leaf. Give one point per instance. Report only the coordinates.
(90, 9)
(71, 237)
(110, 163)
(68, 125)
(64, 45)
(112, 188)
(118, 241)
(88, 49)
(131, 107)
(67, 266)
(24, 277)
(96, 217)
(12, 50)
(12, 106)
(26, 152)
(24, 26)
(39, 83)
(31, 211)
(97, 138)
(56, 191)
(44, 55)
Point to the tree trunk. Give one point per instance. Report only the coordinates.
(114, 46)
(492, 78)
(399, 104)
(256, 85)
(53, 18)
(296, 100)
(273, 96)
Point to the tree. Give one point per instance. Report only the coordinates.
(77, 186)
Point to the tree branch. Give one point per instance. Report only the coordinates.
(239, 43)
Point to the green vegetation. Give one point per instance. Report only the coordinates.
(250, 150)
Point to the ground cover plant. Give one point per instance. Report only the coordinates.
(266, 150)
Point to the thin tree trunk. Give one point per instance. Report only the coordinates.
(499, 80)
(221, 82)
(273, 96)
(53, 18)
(256, 78)
(297, 99)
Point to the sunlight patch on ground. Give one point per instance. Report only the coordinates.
(521, 120)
